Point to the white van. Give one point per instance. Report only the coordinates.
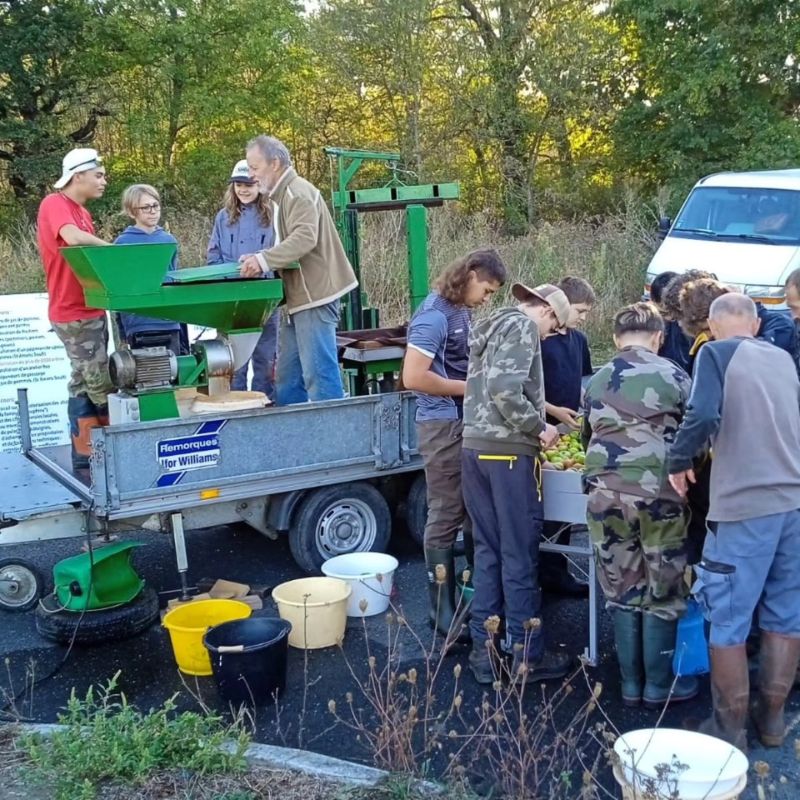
(742, 226)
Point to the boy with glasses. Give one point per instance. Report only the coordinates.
(142, 203)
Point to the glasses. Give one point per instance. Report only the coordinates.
(97, 161)
(150, 207)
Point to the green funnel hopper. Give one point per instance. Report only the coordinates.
(106, 578)
(129, 277)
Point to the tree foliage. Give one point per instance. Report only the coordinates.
(540, 108)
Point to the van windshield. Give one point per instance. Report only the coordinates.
(750, 215)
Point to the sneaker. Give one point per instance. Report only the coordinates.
(553, 665)
(481, 662)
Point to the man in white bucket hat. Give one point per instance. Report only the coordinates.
(64, 221)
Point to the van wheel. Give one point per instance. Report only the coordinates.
(339, 519)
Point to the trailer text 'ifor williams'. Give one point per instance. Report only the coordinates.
(188, 452)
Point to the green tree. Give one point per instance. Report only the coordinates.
(54, 60)
(710, 86)
(202, 78)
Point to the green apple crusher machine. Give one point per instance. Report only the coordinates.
(130, 277)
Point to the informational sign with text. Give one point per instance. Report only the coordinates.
(31, 356)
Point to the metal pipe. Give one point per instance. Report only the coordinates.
(24, 421)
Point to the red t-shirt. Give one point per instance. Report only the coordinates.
(67, 303)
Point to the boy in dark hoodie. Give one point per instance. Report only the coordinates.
(504, 429)
(142, 204)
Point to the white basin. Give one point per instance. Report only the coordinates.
(698, 766)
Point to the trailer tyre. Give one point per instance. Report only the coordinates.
(333, 520)
(95, 627)
(21, 584)
(416, 511)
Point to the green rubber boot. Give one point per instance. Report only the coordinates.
(442, 591)
(628, 642)
(658, 647)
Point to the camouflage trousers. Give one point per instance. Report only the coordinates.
(86, 343)
(641, 550)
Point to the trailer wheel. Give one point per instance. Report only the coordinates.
(95, 627)
(417, 514)
(417, 509)
(20, 584)
(333, 520)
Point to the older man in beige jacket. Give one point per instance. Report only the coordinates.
(304, 232)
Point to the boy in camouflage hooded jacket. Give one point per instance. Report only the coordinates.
(504, 427)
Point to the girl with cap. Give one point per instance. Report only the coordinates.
(244, 226)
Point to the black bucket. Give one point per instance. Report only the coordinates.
(248, 658)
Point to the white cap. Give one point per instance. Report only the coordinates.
(81, 159)
(241, 173)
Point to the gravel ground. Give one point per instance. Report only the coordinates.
(149, 675)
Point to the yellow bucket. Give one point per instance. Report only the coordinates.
(317, 609)
(187, 624)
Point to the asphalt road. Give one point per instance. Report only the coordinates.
(148, 674)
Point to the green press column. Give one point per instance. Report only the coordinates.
(417, 231)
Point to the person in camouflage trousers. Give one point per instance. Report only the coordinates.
(632, 409)
(86, 344)
(64, 221)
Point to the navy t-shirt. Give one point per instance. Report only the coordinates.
(440, 330)
(565, 360)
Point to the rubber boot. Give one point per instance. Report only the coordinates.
(82, 416)
(658, 647)
(730, 694)
(776, 672)
(628, 642)
(442, 592)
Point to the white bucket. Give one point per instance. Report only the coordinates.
(700, 767)
(370, 576)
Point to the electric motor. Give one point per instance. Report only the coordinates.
(144, 368)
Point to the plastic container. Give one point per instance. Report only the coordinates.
(248, 659)
(370, 575)
(187, 624)
(466, 591)
(317, 609)
(711, 769)
(691, 647)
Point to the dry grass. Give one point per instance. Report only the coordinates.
(611, 253)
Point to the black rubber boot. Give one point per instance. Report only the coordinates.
(658, 647)
(82, 416)
(628, 642)
(442, 592)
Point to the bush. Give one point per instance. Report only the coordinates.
(106, 739)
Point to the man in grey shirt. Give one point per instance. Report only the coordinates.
(746, 400)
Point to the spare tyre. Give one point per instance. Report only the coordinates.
(96, 626)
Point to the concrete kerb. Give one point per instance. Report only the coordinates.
(287, 758)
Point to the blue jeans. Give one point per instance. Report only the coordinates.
(308, 368)
(265, 354)
(754, 563)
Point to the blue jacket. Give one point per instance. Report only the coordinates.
(676, 346)
(778, 328)
(245, 236)
(134, 323)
